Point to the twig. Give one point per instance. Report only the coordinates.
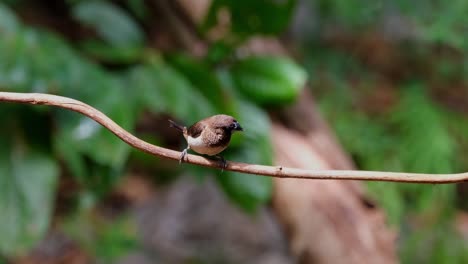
(274, 171)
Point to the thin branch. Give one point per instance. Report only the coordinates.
(273, 171)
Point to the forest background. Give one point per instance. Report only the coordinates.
(389, 77)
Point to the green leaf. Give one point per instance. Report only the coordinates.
(249, 191)
(269, 80)
(34, 61)
(160, 88)
(111, 54)
(92, 139)
(204, 80)
(112, 23)
(27, 184)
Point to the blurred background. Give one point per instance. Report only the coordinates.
(372, 85)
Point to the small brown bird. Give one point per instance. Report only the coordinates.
(209, 136)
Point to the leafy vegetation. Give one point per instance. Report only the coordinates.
(394, 113)
(390, 77)
(41, 143)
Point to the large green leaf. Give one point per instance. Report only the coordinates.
(27, 185)
(160, 88)
(112, 23)
(269, 80)
(34, 61)
(121, 38)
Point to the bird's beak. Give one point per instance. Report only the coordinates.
(238, 127)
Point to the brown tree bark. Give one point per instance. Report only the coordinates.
(327, 221)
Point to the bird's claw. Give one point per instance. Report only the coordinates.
(182, 155)
(223, 162)
(220, 158)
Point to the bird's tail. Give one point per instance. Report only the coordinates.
(175, 125)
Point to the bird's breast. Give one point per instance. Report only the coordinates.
(198, 145)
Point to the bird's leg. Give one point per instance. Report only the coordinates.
(223, 162)
(183, 154)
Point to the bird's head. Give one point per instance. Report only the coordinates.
(235, 126)
(228, 123)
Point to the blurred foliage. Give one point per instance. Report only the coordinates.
(397, 104)
(269, 80)
(124, 43)
(410, 116)
(27, 188)
(101, 238)
(251, 17)
(105, 60)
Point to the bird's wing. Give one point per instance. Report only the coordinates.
(196, 130)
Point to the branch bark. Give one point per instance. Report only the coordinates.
(273, 171)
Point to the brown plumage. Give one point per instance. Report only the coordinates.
(209, 136)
